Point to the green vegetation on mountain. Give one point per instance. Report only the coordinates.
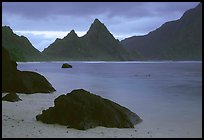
(19, 47)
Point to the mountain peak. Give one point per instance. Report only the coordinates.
(97, 21)
(97, 28)
(7, 28)
(71, 34)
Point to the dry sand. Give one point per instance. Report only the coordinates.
(18, 121)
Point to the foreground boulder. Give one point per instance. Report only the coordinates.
(66, 65)
(11, 97)
(14, 80)
(32, 82)
(82, 110)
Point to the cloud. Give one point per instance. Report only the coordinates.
(65, 16)
(49, 34)
(48, 20)
(42, 39)
(39, 10)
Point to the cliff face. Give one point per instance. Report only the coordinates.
(174, 40)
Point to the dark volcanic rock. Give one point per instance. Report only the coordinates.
(14, 80)
(11, 97)
(82, 110)
(32, 82)
(65, 65)
(9, 69)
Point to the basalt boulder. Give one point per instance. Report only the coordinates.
(82, 110)
(14, 80)
(66, 65)
(11, 97)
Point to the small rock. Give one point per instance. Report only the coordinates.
(11, 97)
(66, 65)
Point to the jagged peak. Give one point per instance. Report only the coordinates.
(97, 27)
(7, 28)
(72, 33)
(96, 21)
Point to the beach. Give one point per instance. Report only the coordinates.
(169, 108)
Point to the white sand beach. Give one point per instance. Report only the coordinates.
(18, 121)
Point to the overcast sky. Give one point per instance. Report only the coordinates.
(43, 22)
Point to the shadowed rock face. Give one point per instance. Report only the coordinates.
(82, 110)
(11, 97)
(14, 80)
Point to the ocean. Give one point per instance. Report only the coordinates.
(167, 95)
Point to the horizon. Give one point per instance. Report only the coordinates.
(18, 17)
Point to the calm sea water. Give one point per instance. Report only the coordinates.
(165, 94)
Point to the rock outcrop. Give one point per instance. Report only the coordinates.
(66, 65)
(14, 80)
(11, 97)
(82, 110)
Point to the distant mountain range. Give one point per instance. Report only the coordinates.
(19, 47)
(97, 44)
(175, 40)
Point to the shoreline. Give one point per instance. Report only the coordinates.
(18, 120)
(122, 62)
